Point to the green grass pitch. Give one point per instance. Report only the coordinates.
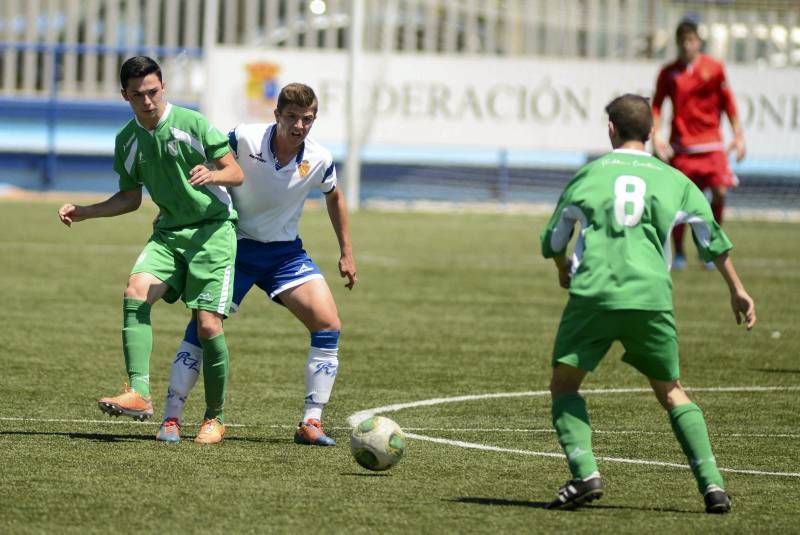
(446, 305)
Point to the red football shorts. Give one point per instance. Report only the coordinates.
(706, 169)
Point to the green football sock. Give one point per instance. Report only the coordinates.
(690, 429)
(571, 421)
(215, 375)
(137, 343)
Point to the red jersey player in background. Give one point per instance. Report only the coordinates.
(697, 86)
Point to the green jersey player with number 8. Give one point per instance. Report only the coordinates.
(626, 203)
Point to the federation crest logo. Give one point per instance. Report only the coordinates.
(304, 168)
(261, 91)
(172, 147)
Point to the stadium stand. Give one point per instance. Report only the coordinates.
(60, 106)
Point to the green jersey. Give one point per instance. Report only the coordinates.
(160, 160)
(627, 203)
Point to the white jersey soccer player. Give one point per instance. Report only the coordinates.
(272, 205)
(282, 165)
(270, 208)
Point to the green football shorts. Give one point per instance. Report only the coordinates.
(649, 337)
(196, 262)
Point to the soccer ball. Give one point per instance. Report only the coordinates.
(377, 443)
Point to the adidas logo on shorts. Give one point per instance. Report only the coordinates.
(303, 269)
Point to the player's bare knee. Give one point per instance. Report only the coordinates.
(662, 399)
(566, 380)
(670, 394)
(330, 325)
(677, 397)
(208, 326)
(133, 291)
(560, 388)
(130, 293)
(145, 287)
(207, 332)
(322, 323)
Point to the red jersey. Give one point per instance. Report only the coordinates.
(699, 93)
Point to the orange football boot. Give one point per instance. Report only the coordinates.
(211, 432)
(129, 403)
(312, 434)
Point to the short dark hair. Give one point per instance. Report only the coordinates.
(686, 26)
(138, 67)
(298, 94)
(631, 116)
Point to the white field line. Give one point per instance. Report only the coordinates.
(360, 415)
(106, 422)
(520, 430)
(549, 430)
(356, 417)
(484, 447)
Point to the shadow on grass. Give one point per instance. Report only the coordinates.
(498, 501)
(96, 437)
(365, 474)
(115, 437)
(541, 505)
(775, 370)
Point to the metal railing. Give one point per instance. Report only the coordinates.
(55, 55)
(95, 36)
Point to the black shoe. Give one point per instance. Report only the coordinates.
(578, 492)
(717, 500)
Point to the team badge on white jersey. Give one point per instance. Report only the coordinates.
(270, 200)
(304, 168)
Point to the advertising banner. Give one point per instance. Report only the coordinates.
(529, 104)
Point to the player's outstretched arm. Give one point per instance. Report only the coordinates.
(744, 309)
(120, 203)
(337, 211)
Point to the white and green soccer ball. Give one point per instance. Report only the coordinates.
(377, 443)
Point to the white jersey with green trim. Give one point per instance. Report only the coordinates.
(271, 199)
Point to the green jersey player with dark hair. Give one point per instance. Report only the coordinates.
(627, 203)
(191, 252)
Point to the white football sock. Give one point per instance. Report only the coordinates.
(320, 374)
(182, 378)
